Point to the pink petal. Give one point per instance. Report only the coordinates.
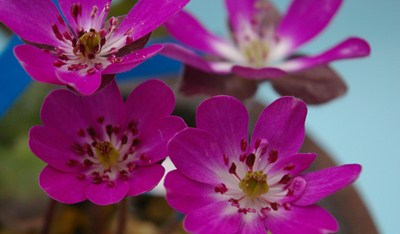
(182, 192)
(304, 20)
(147, 15)
(258, 73)
(350, 48)
(32, 20)
(240, 13)
(155, 137)
(37, 63)
(197, 155)
(226, 118)
(327, 181)
(282, 124)
(297, 162)
(63, 110)
(61, 186)
(133, 59)
(105, 194)
(188, 30)
(85, 84)
(189, 57)
(54, 148)
(301, 220)
(84, 19)
(254, 225)
(144, 179)
(106, 104)
(150, 101)
(218, 217)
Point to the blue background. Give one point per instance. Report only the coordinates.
(361, 127)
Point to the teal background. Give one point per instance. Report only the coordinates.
(362, 126)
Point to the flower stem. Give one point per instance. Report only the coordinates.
(122, 216)
(48, 218)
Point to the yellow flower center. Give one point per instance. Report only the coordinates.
(256, 52)
(107, 154)
(88, 44)
(254, 184)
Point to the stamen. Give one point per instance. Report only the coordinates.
(221, 188)
(251, 158)
(243, 145)
(272, 156)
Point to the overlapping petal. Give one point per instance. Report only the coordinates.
(20, 15)
(349, 48)
(106, 194)
(61, 186)
(84, 83)
(264, 73)
(186, 29)
(144, 179)
(185, 194)
(301, 220)
(304, 20)
(282, 124)
(143, 22)
(227, 120)
(216, 217)
(327, 181)
(37, 63)
(151, 100)
(197, 155)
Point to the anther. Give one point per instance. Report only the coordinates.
(243, 145)
(289, 167)
(272, 156)
(274, 205)
(221, 188)
(285, 179)
(100, 119)
(251, 158)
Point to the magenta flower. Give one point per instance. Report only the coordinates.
(261, 46)
(76, 46)
(225, 183)
(100, 148)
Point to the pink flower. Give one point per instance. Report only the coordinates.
(262, 44)
(225, 183)
(100, 148)
(76, 46)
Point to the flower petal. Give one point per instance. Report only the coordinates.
(196, 154)
(189, 57)
(37, 63)
(63, 110)
(105, 194)
(195, 81)
(133, 59)
(182, 191)
(217, 217)
(32, 20)
(315, 85)
(144, 179)
(301, 220)
(106, 104)
(147, 15)
(54, 148)
(258, 73)
(349, 48)
(327, 181)
(255, 224)
(226, 118)
(292, 165)
(85, 19)
(150, 101)
(240, 12)
(155, 137)
(282, 124)
(63, 187)
(304, 20)
(85, 84)
(188, 30)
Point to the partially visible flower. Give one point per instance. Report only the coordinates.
(76, 46)
(261, 42)
(100, 148)
(225, 183)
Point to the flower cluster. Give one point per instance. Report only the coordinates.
(100, 148)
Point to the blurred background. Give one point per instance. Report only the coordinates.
(360, 127)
